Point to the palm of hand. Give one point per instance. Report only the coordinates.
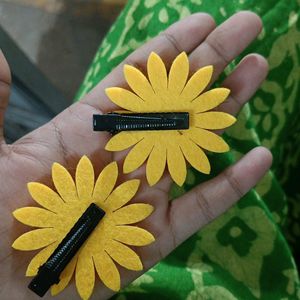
(69, 136)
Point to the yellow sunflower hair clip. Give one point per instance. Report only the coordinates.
(167, 118)
(93, 217)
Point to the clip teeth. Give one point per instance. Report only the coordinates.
(115, 122)
(50, 271)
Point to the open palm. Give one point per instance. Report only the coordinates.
(69, 136)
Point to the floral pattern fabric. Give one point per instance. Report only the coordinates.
(247, 252)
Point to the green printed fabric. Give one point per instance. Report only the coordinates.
(244, 254)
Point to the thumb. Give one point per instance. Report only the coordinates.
(5, 82)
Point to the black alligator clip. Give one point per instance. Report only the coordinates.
(50, 271)
(115, 122)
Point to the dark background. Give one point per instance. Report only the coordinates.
(60, 37)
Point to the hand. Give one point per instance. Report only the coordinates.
(68, 136)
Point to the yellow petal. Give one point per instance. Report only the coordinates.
(64, 277)
(124, 140)
(64, 183)
(122, 194)
(132, 213)
(156, 164)
(214, 120)
(178, 74)
(105, 183)
(157, 74)
(45, 196)
(138, 83)
(35, 217)
(132, 235)
(195, 156)
(207, 140)
(176, 163)
(85, 275)
(197, 83)
(124, 256)
(40, 259)
(85, 179)
(126, 99)
(107, 271)
(35, 239)
(210, 99)
(137, 155)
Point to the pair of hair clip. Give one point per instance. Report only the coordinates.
(87, 225)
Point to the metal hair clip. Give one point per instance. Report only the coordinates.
(115, 122)
(50, 271)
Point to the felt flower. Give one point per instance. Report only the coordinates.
(173, 92)
(108, 242)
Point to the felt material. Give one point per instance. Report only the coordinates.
(108, 239)
(35, 239)
(138, 83)
(124, 140)
(172, 92)
(197, 83)
(64, 183)
(195, 156)
(178, 74)
(85, 276)
(132, 213)
(107, 271)
(156, 162)
(85, 179)
(45, 196)
(137, 155)
(132, 235)
(210, 99)
(129, 100)
(122, 194)
(213, 120)
(207, 140)
(124, 256)
(105, 183)
(35, 217)
(157, 74)
(176, 162)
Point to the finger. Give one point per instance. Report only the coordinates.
(203, 204)
(207, 201)
(227, 41)
(5, 82)
(243, 82)
(184, 35)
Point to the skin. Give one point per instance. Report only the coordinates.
(69, 136)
